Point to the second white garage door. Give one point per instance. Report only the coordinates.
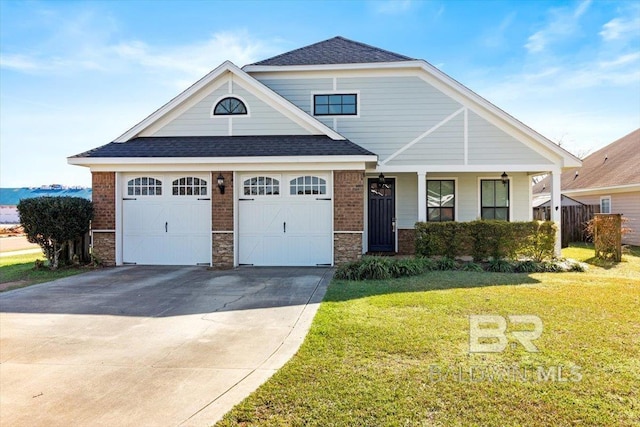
(285, 220)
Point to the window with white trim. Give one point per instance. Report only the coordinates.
(230, 106)
(189, 186)
(605, 204)
(494, 199)
(441, 200)
(305, 185)
(339, 104)
(261, 186)
(144, 186)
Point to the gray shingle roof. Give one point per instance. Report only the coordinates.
(228, 146)
(613, 165)
(337, 50)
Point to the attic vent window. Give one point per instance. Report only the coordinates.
(335, 105)
(229, 106)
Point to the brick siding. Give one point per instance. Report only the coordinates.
(104, 200)
(104, 216)
(407, 242)
(222, 220)
(348, 215)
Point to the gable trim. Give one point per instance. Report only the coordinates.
(272, 98)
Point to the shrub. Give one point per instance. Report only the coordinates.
(500, 266)
(528, 266)
(446, 263)
(606, 231)
(52, 221)
(472, 266)
(486, 239)
(377, 268)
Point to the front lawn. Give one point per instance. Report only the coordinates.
(396, 353)
(18, 271)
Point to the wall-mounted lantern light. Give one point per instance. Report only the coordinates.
(505, 178)
(221, 183)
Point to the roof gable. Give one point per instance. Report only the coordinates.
(198, 90)
(337, 50)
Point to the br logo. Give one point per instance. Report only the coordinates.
(487, 333)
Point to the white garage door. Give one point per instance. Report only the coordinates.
(285, 220)
(166, 220)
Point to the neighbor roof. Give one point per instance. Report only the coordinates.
(228, 146)
(337, 50)
(611, 166)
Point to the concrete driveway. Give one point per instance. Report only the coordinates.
(147, 346)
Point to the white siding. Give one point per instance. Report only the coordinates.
(627, 204)
(406, 199)
(468, 196)
(392, 110)
(262, 119)
(490, 145)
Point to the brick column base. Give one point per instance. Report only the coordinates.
(104, 247)
(222, 251)
(347, 247)
(407, 242)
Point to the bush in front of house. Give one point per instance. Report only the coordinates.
(379, 268)
(53, 221)
(486, 239)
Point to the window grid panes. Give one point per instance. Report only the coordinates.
(304, 185)
(495, 199)
(605, 205)
(189, 186)
(261, 186)
(440, 200)
(229, 106)
(144, 186)
(335, 105)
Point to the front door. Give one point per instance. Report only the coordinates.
(382, 222)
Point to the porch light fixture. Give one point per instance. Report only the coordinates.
(381, 181)
(221, 183)
(505, 178)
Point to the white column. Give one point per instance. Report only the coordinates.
(556, 207)
(422, 196)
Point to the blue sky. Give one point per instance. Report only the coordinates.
(75, 75)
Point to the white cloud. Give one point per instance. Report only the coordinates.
(621, 27)
(562, 23)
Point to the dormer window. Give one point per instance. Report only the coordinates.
(230, 106)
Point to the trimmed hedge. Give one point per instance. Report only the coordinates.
(485, 240)
(52, 221)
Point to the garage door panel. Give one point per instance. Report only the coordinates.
(165, 228)
(307, 238)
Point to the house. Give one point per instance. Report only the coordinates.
(609, 178)
(541, 204)
(10, 197)
(312, 157)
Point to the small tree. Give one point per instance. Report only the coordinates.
(52, 221)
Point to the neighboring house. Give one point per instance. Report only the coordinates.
(610, 178)
(541, 204)
(312, 157)
(10, 197)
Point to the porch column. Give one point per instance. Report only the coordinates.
(556, 208)
(422, 196)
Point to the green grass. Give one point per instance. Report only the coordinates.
(19, 271)
(375, 348)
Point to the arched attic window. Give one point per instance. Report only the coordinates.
(229, 106)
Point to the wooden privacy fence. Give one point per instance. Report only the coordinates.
(574, 222)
